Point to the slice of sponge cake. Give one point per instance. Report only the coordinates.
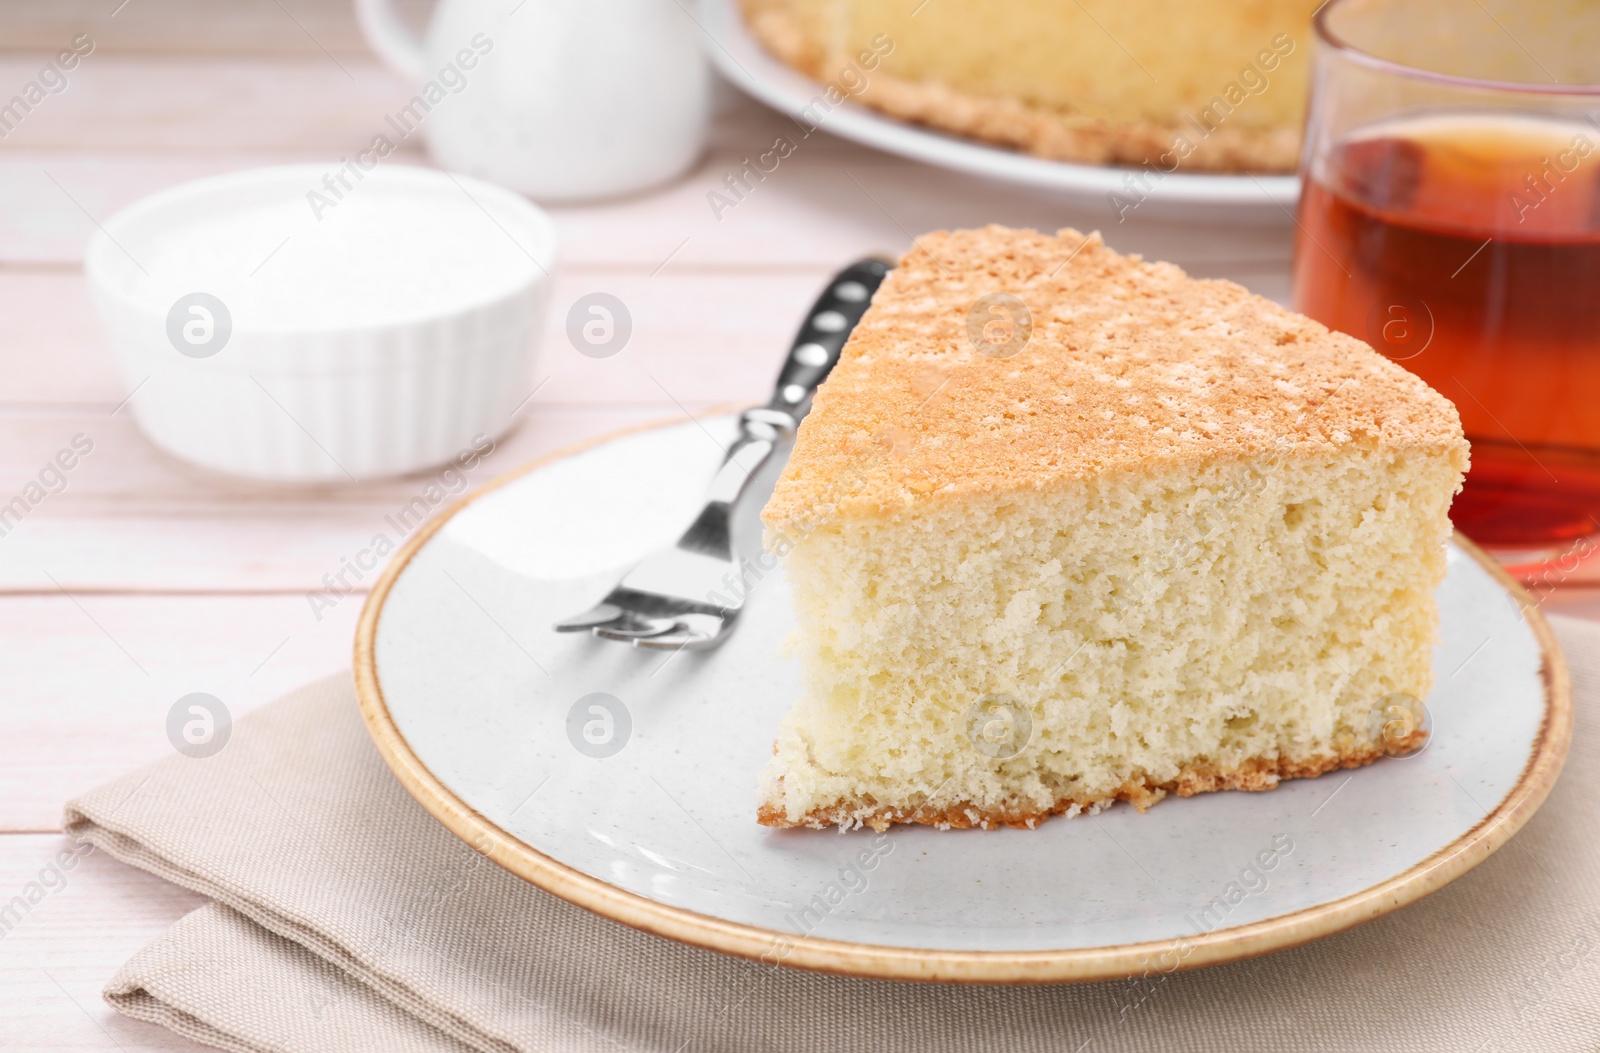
(1067, 527)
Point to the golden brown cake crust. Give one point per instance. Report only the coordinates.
(1264, 773)
(1036, 130)
(1131, 366)
(1084, 140)
(779, 27)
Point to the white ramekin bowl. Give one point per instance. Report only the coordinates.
(393, 323)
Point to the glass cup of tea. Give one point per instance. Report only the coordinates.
(1450, 217)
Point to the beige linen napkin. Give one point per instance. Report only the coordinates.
(345, 918)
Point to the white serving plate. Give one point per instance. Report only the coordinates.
(739, 56)
(470, 697)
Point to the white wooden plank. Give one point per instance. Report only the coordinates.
(194, 552)
(820, 208)
(826, 203)
(133, 519)
(290, 27)
(827, 208)
(307, 103)
(57, 958)
(52, 352)
(125, 474)
(90, 680)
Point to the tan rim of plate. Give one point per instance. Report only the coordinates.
(771, 947)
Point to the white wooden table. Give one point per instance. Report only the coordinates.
(146, 579)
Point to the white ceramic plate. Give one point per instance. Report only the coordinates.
(742, 59)
(482, 711)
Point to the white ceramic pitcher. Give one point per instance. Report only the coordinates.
(559, 99)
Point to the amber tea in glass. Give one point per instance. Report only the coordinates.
(1450, 217)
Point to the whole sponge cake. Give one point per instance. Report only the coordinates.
(1066, 527)
(1214, 85)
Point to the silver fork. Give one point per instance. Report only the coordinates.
(666, 602)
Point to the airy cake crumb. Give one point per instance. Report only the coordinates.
(1182, 540)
